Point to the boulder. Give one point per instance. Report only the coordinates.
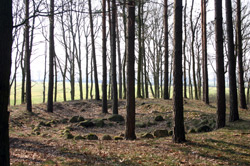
(161, 133)
(118, 138)
(106, 137)
(78, 137)
(204, 128)
(92, 137)
(87, 123)
(159, 118)
(147, 135)
(116, 118)
(76, 119)
(98, 122)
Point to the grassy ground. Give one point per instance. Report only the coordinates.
(34, 144)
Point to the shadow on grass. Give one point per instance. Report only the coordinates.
(79, 158)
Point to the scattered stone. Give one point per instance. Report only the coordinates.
(68, 136)
(151, 123)
(64, 121)
(106, 137)
(98, 122)
(159, 118)
(161, 133)
(37, 128)
(87, 123)
(47, 124)
(169, 123)
(140, 125)
(170, 133)
(116, 118)
(92, 137)
(204, 128)
(147, 135)
(37, 133)
(83, 110)
(155, 112)
(192, 130)
(118, 138)
(68, 128)
(78, 137)
(122, 135)
(76, 119)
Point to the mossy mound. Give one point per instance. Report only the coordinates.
(92, 137)
(118, 138)
(204, 128)
(170, 133)
(106, 137)
(159, 118)
(151, 123)
(160, 133)
(147, 135)
(64, 121)
(98, 122)
(68, 136)
(140, 125)
(87, 123)
(76, 119)
(46, 124)
(78, 137)
(192, 130)
(116, 118)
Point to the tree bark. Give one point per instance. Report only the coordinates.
(130, 109)
(166, 95)
(5, 63)
(178, 132)
(221, 106)
(113, 59)
(104, 60)
(27, 59)
(184, 50)
(97, 96)
(234, 114)
(204, 52)
(243, 104)
(51, 58)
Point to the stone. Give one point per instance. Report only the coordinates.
(147, 135)
(159, 118)
(140, 125)
(98, 122)
(106, 137)
(204, 128)
(87, 123)
(76, 119)
(78, 137)
(68, 136)
(92, 137)
(116, 118)
(160, 133)
(118, 138)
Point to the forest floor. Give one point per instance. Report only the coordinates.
(42, 138)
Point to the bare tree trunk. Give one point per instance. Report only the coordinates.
(104, 60)
(234, 114)
(125, 53)
(130, 117)
(119, 57)
(179, 131)
(87, 66)
(27, 59)
(51, 57)
(5, 63)
(184, 50)
(97, 96)
(243, 104)
(204, 52)
(166, 95)
(113, 59)
(55, 93)
(221, 106)
(45, 70)
(139, 69)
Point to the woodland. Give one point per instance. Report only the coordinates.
(124, 82)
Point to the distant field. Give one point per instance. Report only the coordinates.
(37, 92)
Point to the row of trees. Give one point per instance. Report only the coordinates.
(151, 39)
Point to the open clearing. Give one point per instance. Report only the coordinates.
(42, 138)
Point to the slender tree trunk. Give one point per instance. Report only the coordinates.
(166, 95)
(119, 57)
(184, 50)
(55, 93)
(234, 114)
(130, 117)
(140, 52)
(179, 132)
(27, 59)
(204, 52)
(45, 71)
(5, 63)
(97, 96)
(104, 60)
(51, 58)
(23, 68)
(113, 59)
(221, 106)
(248, 91)
(125, 53)
(87, 66)
(243, 104)
(91, 78)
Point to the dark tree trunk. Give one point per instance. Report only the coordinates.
(221, 106)
(51, 58)
(234, 114)
(130, 117)
(45, 71)
(113, 59)
(184, 50)
(125, 53)
(166, 95)
(239, 54)
(179, 132)
(204, 51)
(55, 93)
(5, 63)
(104, 60)
(87, 68)
(97, 96)
(27, 59)
(140, 52)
